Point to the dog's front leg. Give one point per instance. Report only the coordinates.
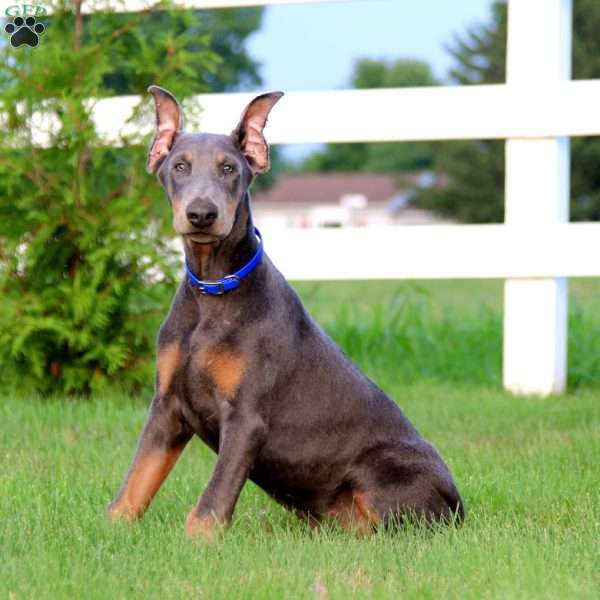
(163, 439)
(242, 433)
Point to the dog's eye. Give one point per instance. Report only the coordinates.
(179, 167)
(227, 169)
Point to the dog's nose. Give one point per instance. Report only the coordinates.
(201, 213)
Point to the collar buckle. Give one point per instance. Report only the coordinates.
(234, 279)
(208, 287)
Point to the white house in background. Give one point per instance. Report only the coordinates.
(343, 200)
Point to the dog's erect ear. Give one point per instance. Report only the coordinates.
(169, 122)
(248, 134)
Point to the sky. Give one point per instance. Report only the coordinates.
(303, 47)
(314, 46)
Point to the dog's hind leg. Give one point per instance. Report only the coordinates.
(426, 500)
(408, 482)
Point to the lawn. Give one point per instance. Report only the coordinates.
(527, 468)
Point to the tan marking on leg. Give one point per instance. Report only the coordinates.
(144, 480)
(364, 512)
(169, 358)
(352, 512)
(225, 368)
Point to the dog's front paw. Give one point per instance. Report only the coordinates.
(121, 511)
(205, 528)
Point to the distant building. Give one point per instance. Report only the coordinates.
(343, 200)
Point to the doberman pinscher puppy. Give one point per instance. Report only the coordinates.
(244, 367)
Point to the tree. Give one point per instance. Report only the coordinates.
(85, 274)
(229, 30)
(222, 32)
(383, 157)
(476, 168)
(585, 152)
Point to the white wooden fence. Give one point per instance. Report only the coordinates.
(535, 111)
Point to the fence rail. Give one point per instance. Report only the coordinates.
(437, 251)
(431, 113)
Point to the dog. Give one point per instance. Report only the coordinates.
(242, 365)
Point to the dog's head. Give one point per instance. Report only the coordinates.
(206, 175)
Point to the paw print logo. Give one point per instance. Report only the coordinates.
(24, 31)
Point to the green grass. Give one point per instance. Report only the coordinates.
(527, 468)
(442, 330)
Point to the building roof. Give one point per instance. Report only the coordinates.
(327, 188)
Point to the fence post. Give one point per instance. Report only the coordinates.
(536, 193)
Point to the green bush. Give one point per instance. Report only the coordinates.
(84, 267)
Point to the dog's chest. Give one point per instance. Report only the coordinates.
(213, 372)
(199, 401)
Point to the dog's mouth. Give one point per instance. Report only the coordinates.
(201, 238)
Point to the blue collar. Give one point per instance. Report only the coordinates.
(229, 282)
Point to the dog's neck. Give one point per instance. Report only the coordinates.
(210, 262)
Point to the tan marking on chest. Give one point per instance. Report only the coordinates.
(204, 254)
(225, 368)
(169, 358)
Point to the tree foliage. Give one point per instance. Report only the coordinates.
(476, 168)
(83, 265)
(221, 32)
(382, 157)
